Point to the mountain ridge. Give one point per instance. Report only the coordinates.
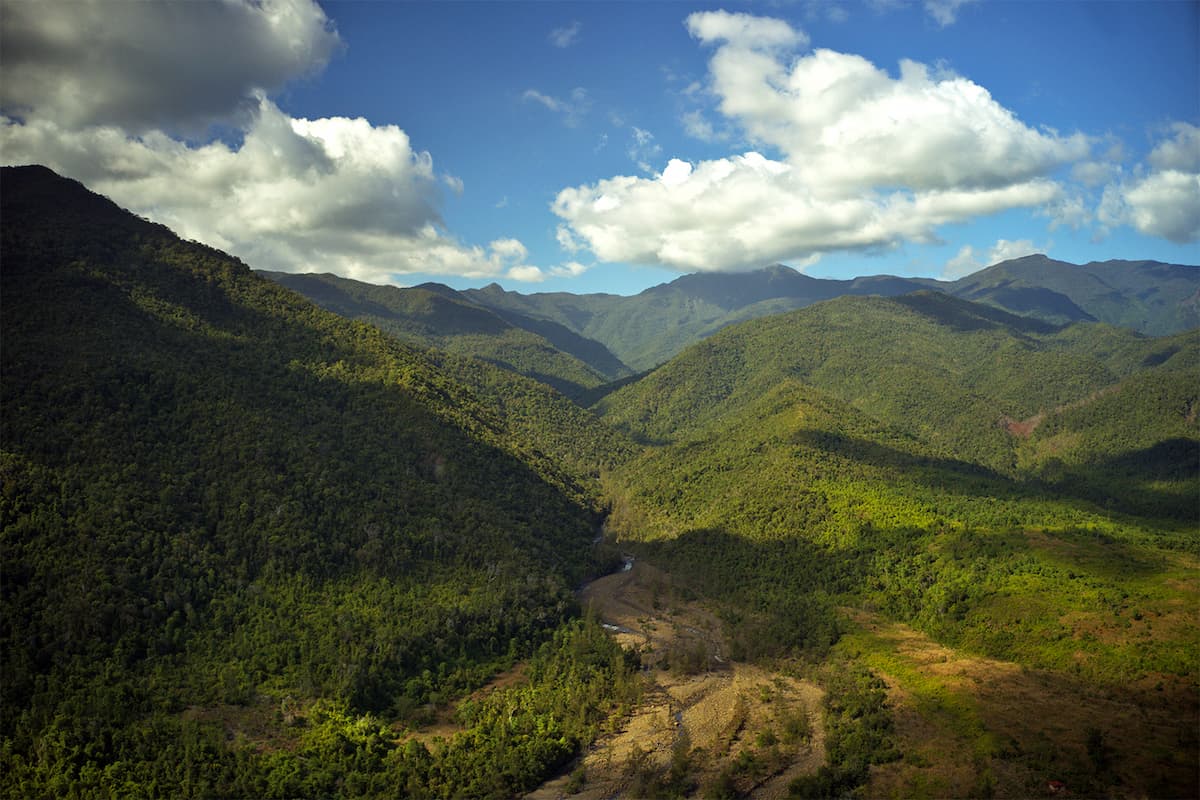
(647, 328)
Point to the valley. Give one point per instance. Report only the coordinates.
(346, 541)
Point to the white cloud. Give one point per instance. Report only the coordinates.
(1165, 201)
(847, 123)
(698, 127)
(742, 212)
(1166, 204)
(566, 35)
(530, 274)
(155, 64)
(866, 160)
(944, 12)
(298, 195)
(569, 269)
(1068, 211)
(1181, 153)
(573, 109)
(964, 263)
(1093, 173)
(1004, 250)
(739, 29)
(526, 273)
(101, 91)
(967, 260)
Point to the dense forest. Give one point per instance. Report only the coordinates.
(216, 495)
(256, 545)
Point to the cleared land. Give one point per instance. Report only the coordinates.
(754, 729)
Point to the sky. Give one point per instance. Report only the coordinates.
(609, 147)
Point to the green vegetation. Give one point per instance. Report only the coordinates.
(649, 328)
(859, 454)
(217, 495)
(252, 548)
(437, 316)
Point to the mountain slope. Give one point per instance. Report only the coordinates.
(938, 368)
(219, 501)
(437, 316)
(648, 328)
(816, 472)
(1147, 296)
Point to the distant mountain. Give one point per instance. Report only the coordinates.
(648, 328)
(433, 315)
(1147, 296)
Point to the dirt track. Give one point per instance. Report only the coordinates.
(695, 700)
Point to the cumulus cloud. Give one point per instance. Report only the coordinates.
(327, 194)
(866, 160)
(156, 64)
(742, 212)
(102, 91)
(566, 35)
(1069, 211)
(530, 274)
(1164, 201)
(1180, 153)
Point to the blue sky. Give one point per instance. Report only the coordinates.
(592, 147)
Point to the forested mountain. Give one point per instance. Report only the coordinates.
(249, 545)
(648, 328)
(546, 335)
(221, 503)
(1147, 296)
(1010, 488)
(941, 369)
(437, 316)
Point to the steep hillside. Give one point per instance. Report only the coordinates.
(437, 316)
(224, 509)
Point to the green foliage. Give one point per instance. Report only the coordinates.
(858, 731)
(782, 501)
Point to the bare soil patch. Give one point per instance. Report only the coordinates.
(969, 725)
(716, 711)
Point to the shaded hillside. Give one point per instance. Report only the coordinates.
(647, 329)
(224, 507)
(437, 316)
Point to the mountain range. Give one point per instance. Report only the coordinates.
(256, 544)
(615, 335)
